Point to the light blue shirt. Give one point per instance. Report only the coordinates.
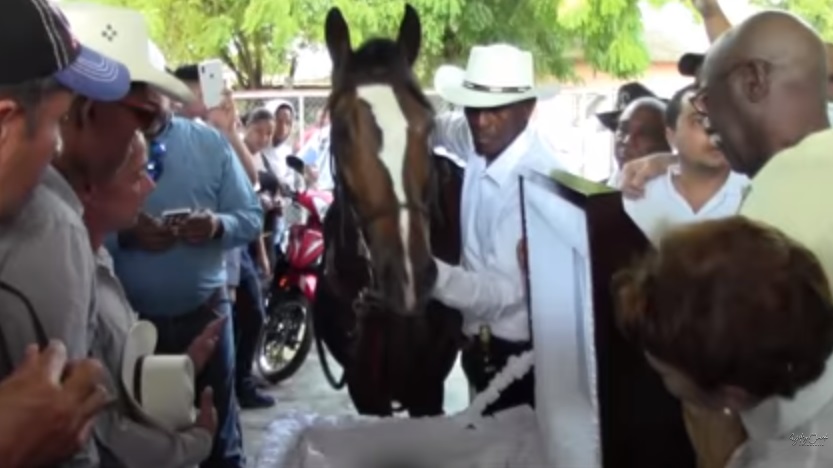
(200, 171)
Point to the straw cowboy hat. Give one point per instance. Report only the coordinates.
(122, 34)
(495, 75)
(159, 387)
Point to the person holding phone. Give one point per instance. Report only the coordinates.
(174, 275)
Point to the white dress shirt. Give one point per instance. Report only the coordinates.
(790, 432)
(663, 207)
(488, 287)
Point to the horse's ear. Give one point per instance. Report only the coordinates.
(410, 34)
(337, 35)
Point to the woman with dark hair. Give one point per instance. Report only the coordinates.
(737, 318)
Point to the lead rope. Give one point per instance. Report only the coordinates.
(515, 369)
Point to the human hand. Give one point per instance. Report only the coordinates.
(198, 228)
(706, 7)
(48, 407)
(266, 202)
(151, 234)
(311, 175)
(637, 173)
(207, 418)
(225, 116)
(520, 252)
(202, 347)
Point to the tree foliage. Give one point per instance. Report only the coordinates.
(256, 38)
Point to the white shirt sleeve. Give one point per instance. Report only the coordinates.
(486, 295)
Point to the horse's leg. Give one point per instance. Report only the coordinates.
(367, 380)
(437, 354)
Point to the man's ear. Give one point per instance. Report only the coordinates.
(8, 109)
(754, 79)
(669, 136)
(82, 112)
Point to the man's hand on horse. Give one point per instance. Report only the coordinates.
(151, 234)
(203, 346)
(199, 228)
(637, 173)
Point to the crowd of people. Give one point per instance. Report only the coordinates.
(137, 223)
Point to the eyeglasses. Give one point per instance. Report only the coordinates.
(700, 99)
(156, 158)
(147, 113)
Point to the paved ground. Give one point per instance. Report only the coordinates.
(309, 391)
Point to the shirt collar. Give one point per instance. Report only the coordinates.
(103, 258)
(779, 416)
(55, 182)
(500, 170)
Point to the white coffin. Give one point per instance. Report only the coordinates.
(308, 441)
(566, 429)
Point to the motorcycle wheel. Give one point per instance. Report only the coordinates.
(288, 326)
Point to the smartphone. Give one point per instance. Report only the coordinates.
(212, 83)
(175, 217)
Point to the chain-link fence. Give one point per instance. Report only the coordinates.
(567, 121)
(309, 104)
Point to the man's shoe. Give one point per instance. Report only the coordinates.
(251, 398)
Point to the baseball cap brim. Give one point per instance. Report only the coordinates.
(95, 76)
(689, 63)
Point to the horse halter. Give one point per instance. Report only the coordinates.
(369, 296)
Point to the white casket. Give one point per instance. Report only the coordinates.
(597, 402)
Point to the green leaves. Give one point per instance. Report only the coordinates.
(255, 37)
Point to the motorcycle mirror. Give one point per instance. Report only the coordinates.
(296, 163)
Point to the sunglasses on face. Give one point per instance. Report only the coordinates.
(148, 114)
(156, 158)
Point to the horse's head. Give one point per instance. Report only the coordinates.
(381, 123)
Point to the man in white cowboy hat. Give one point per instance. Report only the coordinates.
(171, 267)
(498, 95)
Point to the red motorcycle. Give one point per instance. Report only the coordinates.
(287, 334)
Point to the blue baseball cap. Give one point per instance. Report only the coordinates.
(37, 42)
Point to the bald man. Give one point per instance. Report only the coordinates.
(635, 175)
(717, 23)
(763, 86)
(640, 131)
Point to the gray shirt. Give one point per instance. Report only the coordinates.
(45, 254)
(130, 441)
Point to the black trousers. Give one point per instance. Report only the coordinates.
(481, 363)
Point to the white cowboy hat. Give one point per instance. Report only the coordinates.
(160, 387)
(495, 75)
(122, 34)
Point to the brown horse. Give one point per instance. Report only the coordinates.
(396, 207)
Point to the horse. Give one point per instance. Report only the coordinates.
(396, 207)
